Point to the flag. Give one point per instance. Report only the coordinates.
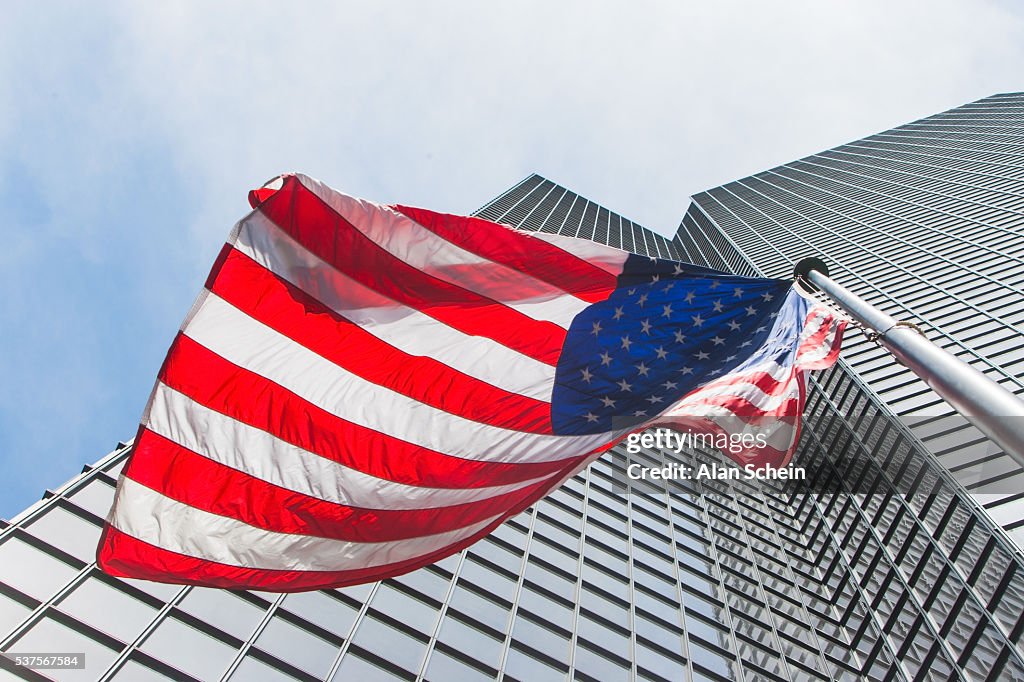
(361, 390)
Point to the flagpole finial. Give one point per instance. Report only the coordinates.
(804, 268)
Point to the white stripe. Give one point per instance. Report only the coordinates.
(240, 339)
(408, 241)
(171, 525)
(405, 328)
(745, 390)
(810, 359)
(260, 454)
(606, 258)
(814, 322)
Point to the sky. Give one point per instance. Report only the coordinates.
(131, 132)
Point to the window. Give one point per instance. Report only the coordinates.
(298, 646)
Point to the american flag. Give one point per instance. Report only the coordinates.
(361, 390)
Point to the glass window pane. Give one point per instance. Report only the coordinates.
(427, 583)
(443, 668)
(188, 649)
(69, 532)
(254, 670)
(471, 639)
(31, 571)
(11, 614)
(324, 610)
(108, 609)
(299, 647)
(599, 667)
(523, 666)
(223, 610)
(389, 643)
(96, 497)
(482, 609)
(412, 612)
(554, 644)
(162, 591)
(354, 668)
(133, 671)
(657, 662)
(50, 636)
(358, 592)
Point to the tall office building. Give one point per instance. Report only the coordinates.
(889, 570)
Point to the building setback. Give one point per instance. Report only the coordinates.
(896, 561)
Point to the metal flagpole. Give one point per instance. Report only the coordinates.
(994, 410)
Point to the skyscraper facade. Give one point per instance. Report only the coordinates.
(896, 561)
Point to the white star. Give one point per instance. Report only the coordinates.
(591, 417)
(751, 310)
(640, 413)
(737, 292)
(652, 259)
(734, 325)
(746, 343)
(640, 301)
(587, 376)
(767, 296)
(627, 387)
(668, 287)
(730, 358)
(715, 284)
(655, 399)
(774, 315)
(686, 370)
(608, 402)
(596, 329)
(631, 291)
(669, 385)
(642, 369)
(678, 270)
(703, 356)
(661, 353)
(618, 313)
(680, 338)
(690, 296)
(606, 359)
(718, 340)
(666, 310)
(626, 343)
(645, 326)
(718, 306)
(760, 329)
(697, 320)
(655, 279)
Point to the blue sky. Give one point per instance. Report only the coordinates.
(131, 132)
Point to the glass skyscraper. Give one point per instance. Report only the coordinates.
(897, 561)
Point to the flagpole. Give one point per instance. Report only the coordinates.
(995, 411)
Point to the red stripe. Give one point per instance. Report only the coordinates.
(817, 341)
(246, 396)
(763, 380)
(191, 478)
(122, 555)
(519, 251)
(311, 222)
(742, 408)
(284, 307)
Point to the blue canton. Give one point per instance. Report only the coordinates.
(667, 329)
